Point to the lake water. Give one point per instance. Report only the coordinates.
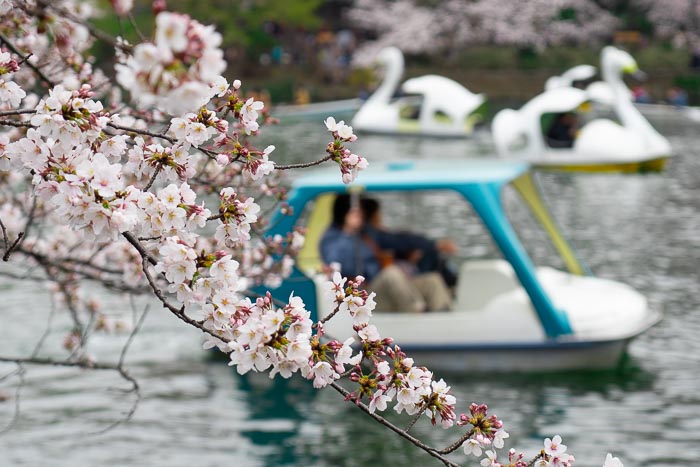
(640, 229)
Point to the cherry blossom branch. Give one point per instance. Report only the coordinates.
(10, 45)
(62, 265)
(381, 420)
(209, 153)
(156, 172)
(456, 445)
(140, 248)
(179, 312)
(415, 418)
(142, 132)
(330, 316)
(304, 165)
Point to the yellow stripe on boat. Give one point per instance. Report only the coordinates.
(309, 258)
(652, 165)
(526, 187)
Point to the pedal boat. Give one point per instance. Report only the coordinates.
(508, 315)
(601, 145)
(443, 107)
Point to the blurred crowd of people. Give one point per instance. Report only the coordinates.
(328, 51)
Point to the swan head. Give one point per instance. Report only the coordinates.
(618, 61)
(390, 56)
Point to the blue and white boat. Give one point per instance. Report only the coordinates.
(508, 314)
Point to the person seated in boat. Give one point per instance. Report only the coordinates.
(416, 252)
(562, 131)
(346, 244)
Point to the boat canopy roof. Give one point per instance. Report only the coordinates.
(416, 174)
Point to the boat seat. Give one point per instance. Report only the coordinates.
(481, 281)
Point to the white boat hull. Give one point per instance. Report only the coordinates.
(494, 326)
(545, 357)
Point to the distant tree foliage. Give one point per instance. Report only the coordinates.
(446, 27)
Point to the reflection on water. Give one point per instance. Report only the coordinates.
(640, 229)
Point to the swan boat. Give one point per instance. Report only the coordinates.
(508, 314)
(601, 93)
(601, 145)
(444, 107)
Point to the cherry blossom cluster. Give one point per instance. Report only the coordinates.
(349, 163)
(554, 454)
(261, 336)
(487, 430)
(169, 163)
(179, 71)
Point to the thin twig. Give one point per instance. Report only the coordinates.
(159, 167)
(87, 364)
(135, 388)
(329, 317)
(142, 132)
(304, 165)
(454, 446)
(132, 20)
(18, 391)
(415, 418)
(47, 331)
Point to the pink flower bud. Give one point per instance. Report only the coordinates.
(158, 6)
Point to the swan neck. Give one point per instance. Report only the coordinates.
(629, 115)
(392, 77)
